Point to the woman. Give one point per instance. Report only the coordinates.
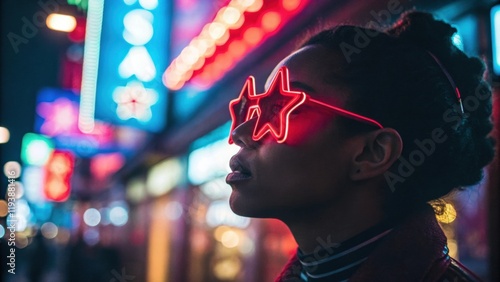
(349, 143)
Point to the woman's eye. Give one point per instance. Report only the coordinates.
(276, 108)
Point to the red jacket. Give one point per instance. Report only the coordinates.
(413, 251)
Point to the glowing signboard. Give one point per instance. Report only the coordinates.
(58, 172)
(57, 117)
(133, 51)
(495, 38)
(36, 149)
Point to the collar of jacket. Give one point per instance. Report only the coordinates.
(413, 251)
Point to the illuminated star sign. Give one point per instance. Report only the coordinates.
(134, 101)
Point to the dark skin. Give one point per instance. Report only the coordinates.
(321, 183)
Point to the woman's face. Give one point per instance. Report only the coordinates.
(310, 169)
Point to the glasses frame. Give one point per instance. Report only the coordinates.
(251, 102)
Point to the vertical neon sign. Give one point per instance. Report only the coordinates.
(495, 38)
(90, 66)
(134, 45)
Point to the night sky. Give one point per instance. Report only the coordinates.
(36, 64)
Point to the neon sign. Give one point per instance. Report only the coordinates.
(495, 38)
(133, 47)
(57, 117)
(58, 172)
(36, 149)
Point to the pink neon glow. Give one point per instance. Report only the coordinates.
(103, 165)
(243, 103)
(346, 113)
(249, 105)
(61, 117)
(265, 121)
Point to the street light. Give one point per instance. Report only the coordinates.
(59, 22)
(4, 135)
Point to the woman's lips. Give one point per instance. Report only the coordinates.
(236, 176)
(240, 171)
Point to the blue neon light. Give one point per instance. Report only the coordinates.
(133, 55)
(495, 38)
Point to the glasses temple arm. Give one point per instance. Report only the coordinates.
(347, 113)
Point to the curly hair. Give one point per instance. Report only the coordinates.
(397, 76)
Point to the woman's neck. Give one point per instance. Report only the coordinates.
(327, 226)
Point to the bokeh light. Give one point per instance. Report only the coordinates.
(219, 213)
(4, 135)
(18, 221)
(36, 149)
(21, 241)
(216, 30)
(92, 217)
(253, 35)
(230, 15)
(246, 247)
(219, 231)
(270, 21)
(256, 6)
(136, 190)
(12, 169)
(3, 208)
(22, 208)
(19, 189)
(91, 236)
(230, 239)
(246, 3)
(59, 22)
(118, 216)
(49, 230)
(227, 269)
(290, 5)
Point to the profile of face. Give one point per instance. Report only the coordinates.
(312, 168)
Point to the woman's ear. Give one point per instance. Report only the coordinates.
(380, 150)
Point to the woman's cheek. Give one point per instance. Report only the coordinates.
(304, 129)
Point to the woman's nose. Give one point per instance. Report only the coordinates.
(242, 135)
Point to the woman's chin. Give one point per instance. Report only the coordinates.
(248, 208)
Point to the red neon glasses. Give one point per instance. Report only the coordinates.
(273, 107)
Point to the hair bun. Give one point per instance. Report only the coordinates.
(422, 29)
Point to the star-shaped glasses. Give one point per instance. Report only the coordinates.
(273, 107)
